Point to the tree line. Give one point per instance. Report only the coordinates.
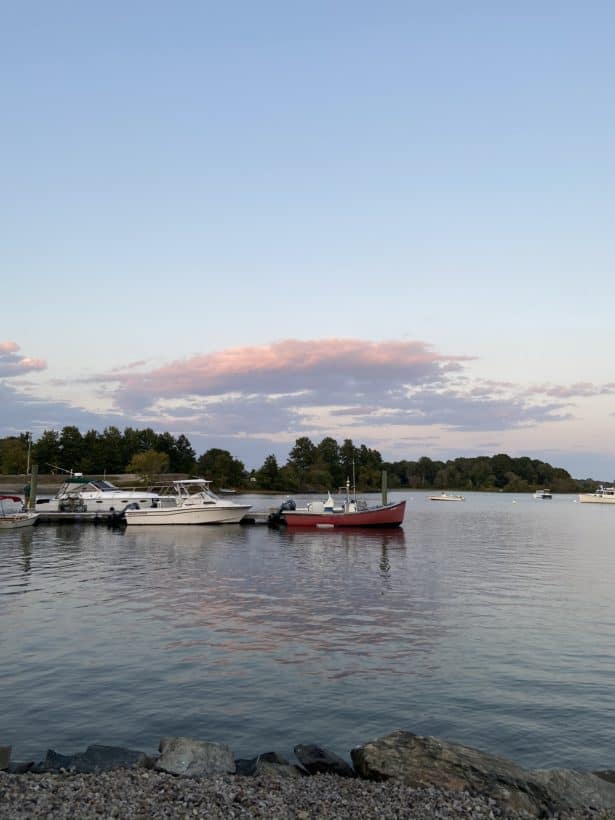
(310, 467)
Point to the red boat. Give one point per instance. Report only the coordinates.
(352, 513)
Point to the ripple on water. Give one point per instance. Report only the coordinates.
(488, 623)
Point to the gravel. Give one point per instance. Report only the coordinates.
(150, 795)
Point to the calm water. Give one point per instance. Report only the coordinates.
(490, 623)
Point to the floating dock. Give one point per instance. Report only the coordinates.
(116, 519)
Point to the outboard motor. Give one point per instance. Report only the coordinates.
(118, 519)
(276, 518)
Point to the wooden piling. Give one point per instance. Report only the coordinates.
(33, 487)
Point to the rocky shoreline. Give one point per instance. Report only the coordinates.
(400, 775)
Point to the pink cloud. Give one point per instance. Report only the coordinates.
(11, 364)
(289, 366)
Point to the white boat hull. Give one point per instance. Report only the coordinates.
(591, 498)
(15, 520)
(187, 515)
(92, 503)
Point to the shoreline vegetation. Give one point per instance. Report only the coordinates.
(146, 457)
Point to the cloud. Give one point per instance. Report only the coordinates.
(12, 364)
(291, 386)
(259, 399)
(326, 368)
(577, 390)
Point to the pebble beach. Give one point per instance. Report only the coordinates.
(144, 794)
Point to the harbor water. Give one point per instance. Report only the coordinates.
(489, 622)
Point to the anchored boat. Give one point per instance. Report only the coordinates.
(603, 495)
(351, 513)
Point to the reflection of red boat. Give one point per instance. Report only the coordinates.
(352, 513)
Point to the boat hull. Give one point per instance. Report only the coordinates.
(92, 503)
(187, 515)
(590, 498)
(391, 515)
(16, 520)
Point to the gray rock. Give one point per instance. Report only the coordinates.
(575, 790)
(5, 757)
(426, 762)
(266, 768)
(21, 768)
(194, 758)
(247, 766)
(268, 763)
(320, 761)
(96, 758)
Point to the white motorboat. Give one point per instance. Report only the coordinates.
(603, 495)
(543, 494)
(190, 501)
(12, 519)
(446, 497)
(79, 494)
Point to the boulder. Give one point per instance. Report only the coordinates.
(5, 757)
(268, 763)
(194, 758)
(318, 760)
(96, 758)
(574, 790)
(265, 768)
(425, 762)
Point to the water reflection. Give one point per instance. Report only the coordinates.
(349, 536)
(26, 551)
(486, 618)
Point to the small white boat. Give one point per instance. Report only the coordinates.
(446, 497)
(543, 494)
(79, 494)
(12, 519)
(603, 495)
(190, 501)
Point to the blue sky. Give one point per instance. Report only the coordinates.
(249, 222)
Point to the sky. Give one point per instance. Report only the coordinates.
(249, 222)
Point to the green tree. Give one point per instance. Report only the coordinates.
(112, 451)
(46, 451)
(328, 459)
(220, 467)
(302, 457)
(71, 448)
(149, 466)
(184, 458)
(13, 456)
(268, 477)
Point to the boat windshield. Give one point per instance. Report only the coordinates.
(105, 486)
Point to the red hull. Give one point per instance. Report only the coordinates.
(390, 516)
